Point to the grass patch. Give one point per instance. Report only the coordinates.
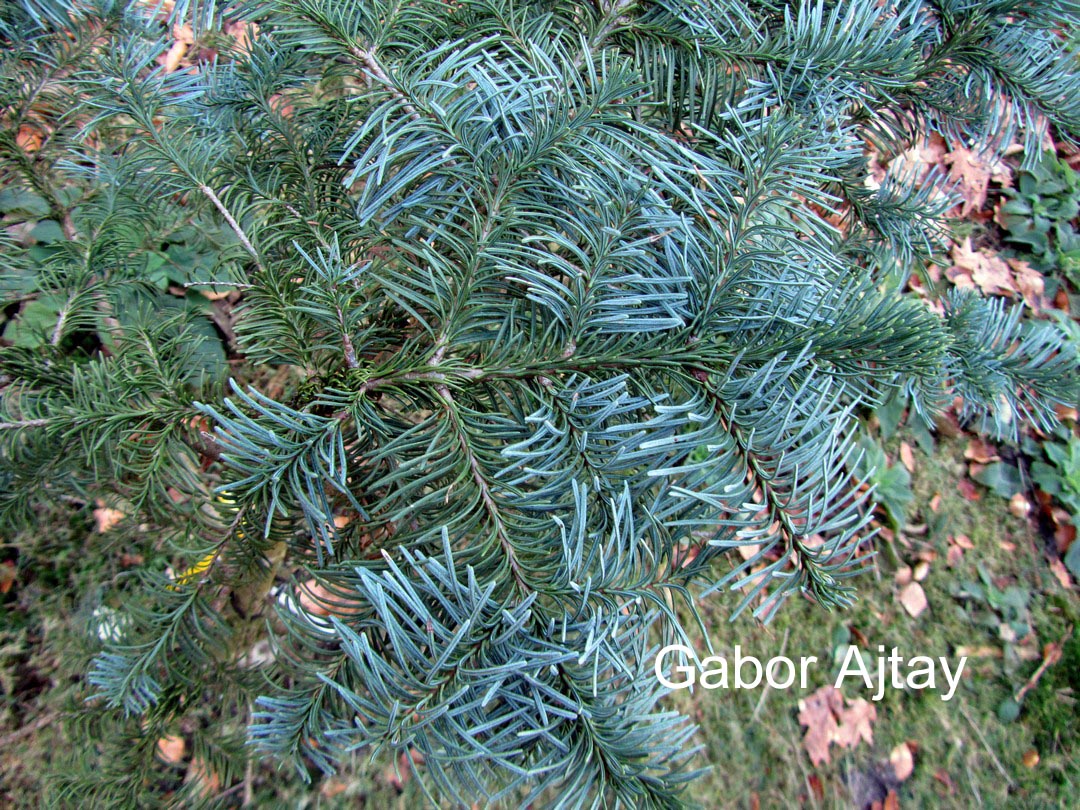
(965, 755)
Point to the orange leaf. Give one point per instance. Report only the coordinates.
(29, 138)
(8, 575)
(171, 749)
(966, 487)
(980, 451)
(206, 778)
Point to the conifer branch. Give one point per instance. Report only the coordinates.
(220, 206)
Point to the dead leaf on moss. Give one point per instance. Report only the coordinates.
(856, 723)
(907, 457)
(1051, 654)
(966, 487)
(902, 761)
(105, 518)
(1061, 573)
(913, 599)
(816, 713)
(942, 776)
(1019, 505)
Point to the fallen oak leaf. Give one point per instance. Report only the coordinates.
(815, 712)
(968, 490)
(1029, 283)
(979, 268)
(856, 723)
(970, 172)
(828, 721)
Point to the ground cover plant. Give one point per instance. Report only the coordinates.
(425, 366)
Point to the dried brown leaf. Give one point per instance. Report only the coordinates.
(907, 457)
(913, 599)
(829, 721)
(815, 712)
(1061, 573)
(980, 451)
(856, 723)
(970, 172)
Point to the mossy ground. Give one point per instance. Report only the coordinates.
(965, 755)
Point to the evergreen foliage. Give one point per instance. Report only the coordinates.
(570, 299)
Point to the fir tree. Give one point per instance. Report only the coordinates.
(539, 309)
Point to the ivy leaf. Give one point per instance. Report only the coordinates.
(1003, 479)
(891, 481)
(23, 201)
(35, 323)
(1072, 559)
